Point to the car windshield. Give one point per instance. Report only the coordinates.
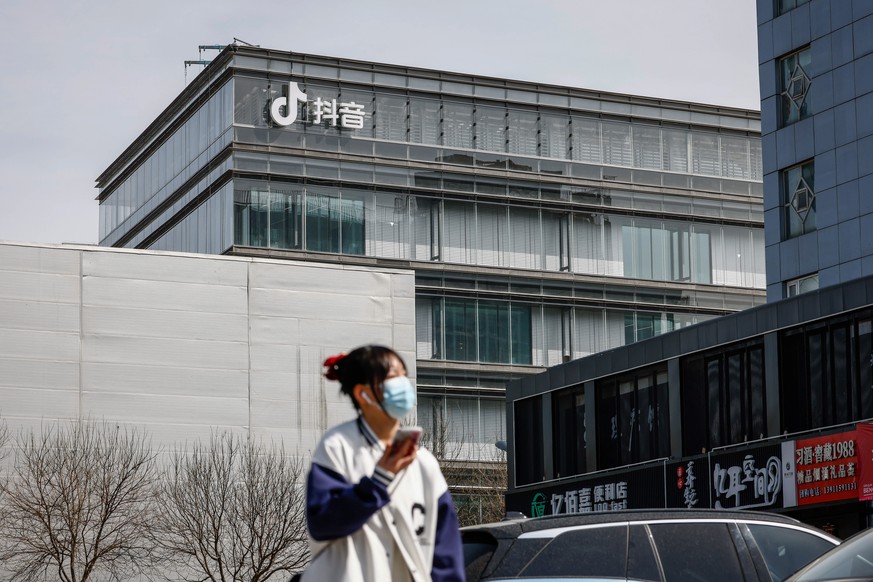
(853, 559)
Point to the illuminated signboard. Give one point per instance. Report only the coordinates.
(345, 114)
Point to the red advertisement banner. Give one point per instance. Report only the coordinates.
(827, 468)
(865, 455)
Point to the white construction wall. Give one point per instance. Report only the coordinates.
(182, 344)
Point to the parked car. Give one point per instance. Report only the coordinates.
(644, 545)
(851, 561)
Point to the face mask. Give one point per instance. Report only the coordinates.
(398, 397)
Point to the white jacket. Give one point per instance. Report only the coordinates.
(365, 526)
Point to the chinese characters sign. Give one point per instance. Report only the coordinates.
(826, 468)
(347, 114)
(625, 490)
(607, 497)
(821, 469)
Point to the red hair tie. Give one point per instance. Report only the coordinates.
(331, 365)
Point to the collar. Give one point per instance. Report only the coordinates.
(368, 433)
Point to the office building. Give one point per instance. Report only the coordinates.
(769, 408)
(543, 223)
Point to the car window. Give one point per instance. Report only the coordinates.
(696, 552)
(478, 549)
(853, 559)
(591, 552)
(641, 561)
(787, 550)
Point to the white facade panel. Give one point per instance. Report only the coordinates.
(20, 373)
(184, 345)
(166, 323)
(157, 379)
(30, 286)
(140, 293)
(307, 277)
(331, 332)
(168, 267)
(39, 259)
(37, 403)
(171, 352)
(39, 345)
(309, 305)
(146, 408)
(39, 315)
(274, 330)
(274, 358)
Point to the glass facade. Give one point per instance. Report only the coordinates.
(819, 379)
(826, 374)
(633, 418)
(525, 134)
(181, 155)
(430, 227)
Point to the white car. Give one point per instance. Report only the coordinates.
(644, 545)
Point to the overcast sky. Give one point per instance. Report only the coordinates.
(82, 78)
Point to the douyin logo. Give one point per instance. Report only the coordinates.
(289, 102)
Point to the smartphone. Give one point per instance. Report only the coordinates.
(405, 433)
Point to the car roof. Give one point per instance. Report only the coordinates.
(514, 527)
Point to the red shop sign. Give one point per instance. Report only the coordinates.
(827, 468)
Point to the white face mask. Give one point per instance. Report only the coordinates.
(398, 397)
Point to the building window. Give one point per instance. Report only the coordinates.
(334, 225)
(786, 5)
(529, 453)
(632, 419)
(795, 86)
(639, 325)
(568, 431)
(826, 374)
(469, 330)
(666, 252)
(723, 399)
(798, 185)
(801, 285)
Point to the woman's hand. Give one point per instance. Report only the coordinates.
(398, 456)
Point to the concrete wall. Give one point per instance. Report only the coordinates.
(184, 344)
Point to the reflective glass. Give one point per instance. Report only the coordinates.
(460, 330)
(457, 125)
(735, 157)
(585, 139)
(795, 84)
(554, 136)
(490, 128)
(424, 121)
(388, 226)
(704, 154)
(647, 147)
(284, 219)
(522, 132)
(617, 144)
(390, 117)
(798, 185)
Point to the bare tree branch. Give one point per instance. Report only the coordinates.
(476, 475)
(78, 503)
(232, 510)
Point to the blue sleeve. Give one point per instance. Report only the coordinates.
(448, 553)
(337, 508)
